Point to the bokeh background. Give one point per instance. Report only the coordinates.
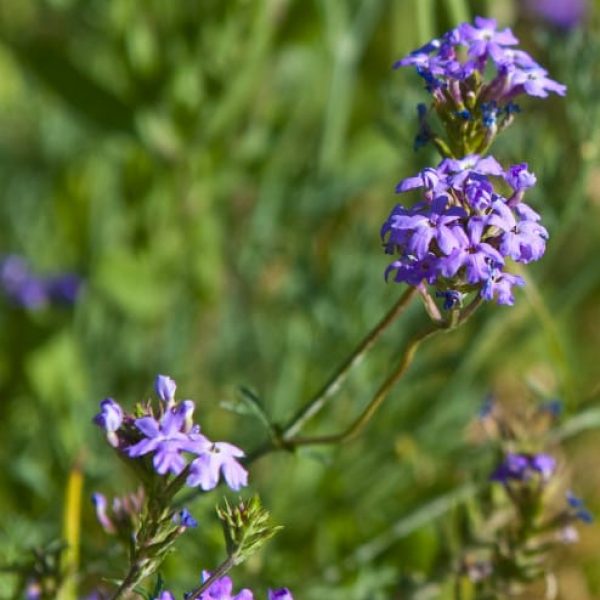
(217, 172)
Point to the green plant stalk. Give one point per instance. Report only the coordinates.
(376, 401)
(318, 401)
(219, 572)
(384, 389)
(280, 441)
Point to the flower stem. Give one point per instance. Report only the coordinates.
(220, 571)
(333, 384)
(376, 401)
(385, 388)
(318, 401)
(131, 580)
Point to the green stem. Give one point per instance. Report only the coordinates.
(333, 384)
(318, 401)
(220, 571)
(376, 401)
(384, 389)
(131, 580)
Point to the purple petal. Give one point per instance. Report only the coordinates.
(235, 475)
(148, 426)
(165, 388)
(142, 447)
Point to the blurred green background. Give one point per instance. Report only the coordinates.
(218, 171)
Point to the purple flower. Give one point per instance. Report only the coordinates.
(580, 511)
(524, 239)
(22, 287)
(101, 505)
(184, 519)
(65, 288)
(222, 589)
(519, 178)
(218, 458)
(565, 14)
(516, 58)
(483, 39)
(499, 287)
(522, 467)
(433, 225)
(165, 595)
(534, 82)
(448, 76)
(168, 438)
(280, 594)
(452, 298)
(110, 416)
(430, 179)
(514, 467)
(473, 255)
(165, 388)
(110, 419)
(33, 590)
(459, 170)
(478, 191)
(413, 271)
(544, 464)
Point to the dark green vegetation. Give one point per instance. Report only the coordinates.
(218, 172)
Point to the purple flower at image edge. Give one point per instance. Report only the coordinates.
(28, 290)
(565, 14)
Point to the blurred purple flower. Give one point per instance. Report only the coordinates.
(64, 288)
(580, 511)
(101, 506)
(565, 14)
(23, 287)
(280, 594)
(110, 419)
(522, 467)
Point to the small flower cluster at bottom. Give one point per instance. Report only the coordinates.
(169, 437)
(222, 589)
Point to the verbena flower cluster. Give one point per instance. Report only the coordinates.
(470, 221)
(459, 236)
(172, 439)
(222, 589)
(455, 68)
(24, 288)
